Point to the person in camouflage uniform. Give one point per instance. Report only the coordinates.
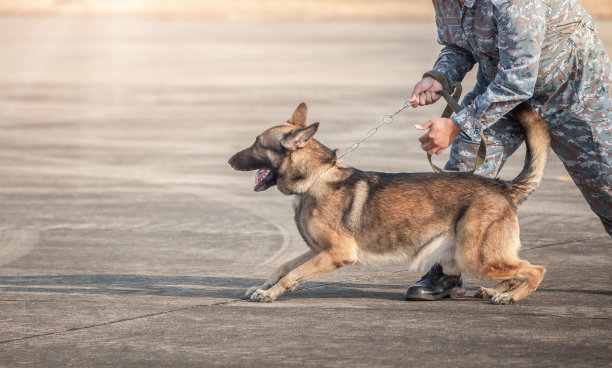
(545, 51)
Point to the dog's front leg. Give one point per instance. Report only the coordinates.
(322, 263)
(280, 272)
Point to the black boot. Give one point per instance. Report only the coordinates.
(436, 285)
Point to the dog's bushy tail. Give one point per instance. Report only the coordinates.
(538, 145)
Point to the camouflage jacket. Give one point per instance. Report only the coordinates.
(524, 49)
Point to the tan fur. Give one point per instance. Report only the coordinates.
(464, 222)
(360, 195)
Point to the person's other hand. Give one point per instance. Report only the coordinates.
(424, 92)
(442, 133)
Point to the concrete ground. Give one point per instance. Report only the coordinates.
(126, 239)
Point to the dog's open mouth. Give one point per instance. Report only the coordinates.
(264, 179)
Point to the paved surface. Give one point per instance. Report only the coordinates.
(126, 239)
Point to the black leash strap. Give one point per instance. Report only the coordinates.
(452, 93)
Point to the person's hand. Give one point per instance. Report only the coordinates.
(424, 92)
(442, 133)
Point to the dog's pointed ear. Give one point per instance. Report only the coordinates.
(298, 118)
(298, 138)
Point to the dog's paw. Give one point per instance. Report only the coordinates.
(485, 293)
(262, 296)
(250, 292)
(502, 298)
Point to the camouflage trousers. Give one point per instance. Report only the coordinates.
(581, 136)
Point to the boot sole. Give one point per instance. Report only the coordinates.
(456, 292)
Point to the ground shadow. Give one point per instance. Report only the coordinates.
(205, 287)
(175, 286)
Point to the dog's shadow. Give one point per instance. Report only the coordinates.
(210, 287)
(184, 286)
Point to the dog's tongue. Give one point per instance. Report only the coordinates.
(260, 176)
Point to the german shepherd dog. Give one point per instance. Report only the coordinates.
(465, 222)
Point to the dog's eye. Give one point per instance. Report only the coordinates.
(257, 144)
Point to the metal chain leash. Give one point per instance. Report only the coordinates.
(388, 119)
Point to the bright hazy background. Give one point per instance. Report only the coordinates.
(248, 9)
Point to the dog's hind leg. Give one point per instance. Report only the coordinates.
(281, 271)
(324, 262)
(530, 276)
(514, 272)
(488, 250)
(526, 275)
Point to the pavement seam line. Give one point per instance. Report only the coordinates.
(127, 319)
(564, 243)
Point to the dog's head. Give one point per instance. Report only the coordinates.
(273, 147)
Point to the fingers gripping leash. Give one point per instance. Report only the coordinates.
(452, 93)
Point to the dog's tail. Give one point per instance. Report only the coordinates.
(538, 145)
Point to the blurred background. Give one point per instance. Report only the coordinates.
(249, 9)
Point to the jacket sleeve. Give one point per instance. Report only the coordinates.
(521, 27)
(479, 88)
(454, 62)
